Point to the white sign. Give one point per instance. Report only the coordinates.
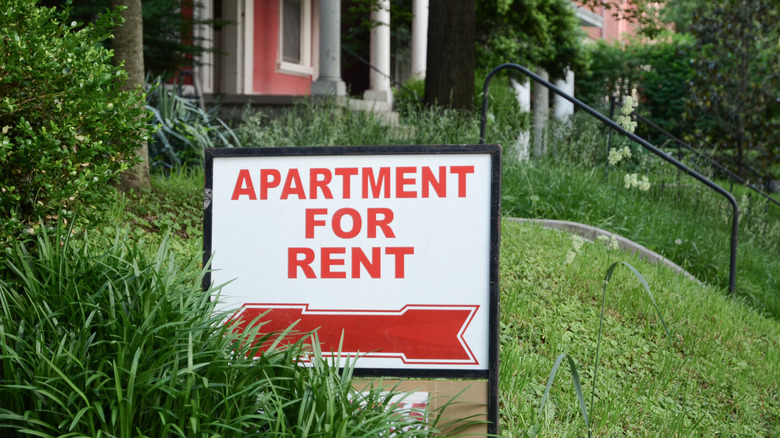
(388, 255)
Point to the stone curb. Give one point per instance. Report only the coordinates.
(592, 233)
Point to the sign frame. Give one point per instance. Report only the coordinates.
(491, 374)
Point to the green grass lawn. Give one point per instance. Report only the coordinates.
(718, 376)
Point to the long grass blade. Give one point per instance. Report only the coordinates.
(607, 278)
(577, 388)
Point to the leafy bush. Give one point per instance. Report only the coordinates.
(503, 107)
(184, 128)
(409, 99)
(659, 72)
(505, 120)
(104, 339)
(66, 128)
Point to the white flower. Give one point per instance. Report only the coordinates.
(645, 184)
(677, 242)
(614, 157)
(630, 180)
(627, 123)
(629, 104)
(576, 243)
(610, 241)
(624, 119)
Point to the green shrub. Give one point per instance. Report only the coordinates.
(66, 129)
(659, 72)
(505, 120)
(315, 122)
(116, 342)
(110, 339)
(409, 99)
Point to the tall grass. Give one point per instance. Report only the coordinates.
(108, 339)
(325, 123)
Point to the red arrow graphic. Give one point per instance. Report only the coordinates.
(419, 334)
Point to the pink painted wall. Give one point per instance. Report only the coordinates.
(265, 79)
(615, 29)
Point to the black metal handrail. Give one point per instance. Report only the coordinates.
(714, 163)
(642, 142)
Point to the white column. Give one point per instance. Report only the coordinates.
(523, 94)
(203, 74)
(541, 110)
(379, 76)
(329, 82)
(522, 147)
(562, 108)
(232, 64)
(249, 46)
(419, 37)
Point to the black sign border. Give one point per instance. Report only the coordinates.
(494, 150)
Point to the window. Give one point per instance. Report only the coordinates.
(291, 31)
(295, 37)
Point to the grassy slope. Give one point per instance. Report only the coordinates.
(719, 376)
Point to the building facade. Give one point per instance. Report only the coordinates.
(271, 51)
